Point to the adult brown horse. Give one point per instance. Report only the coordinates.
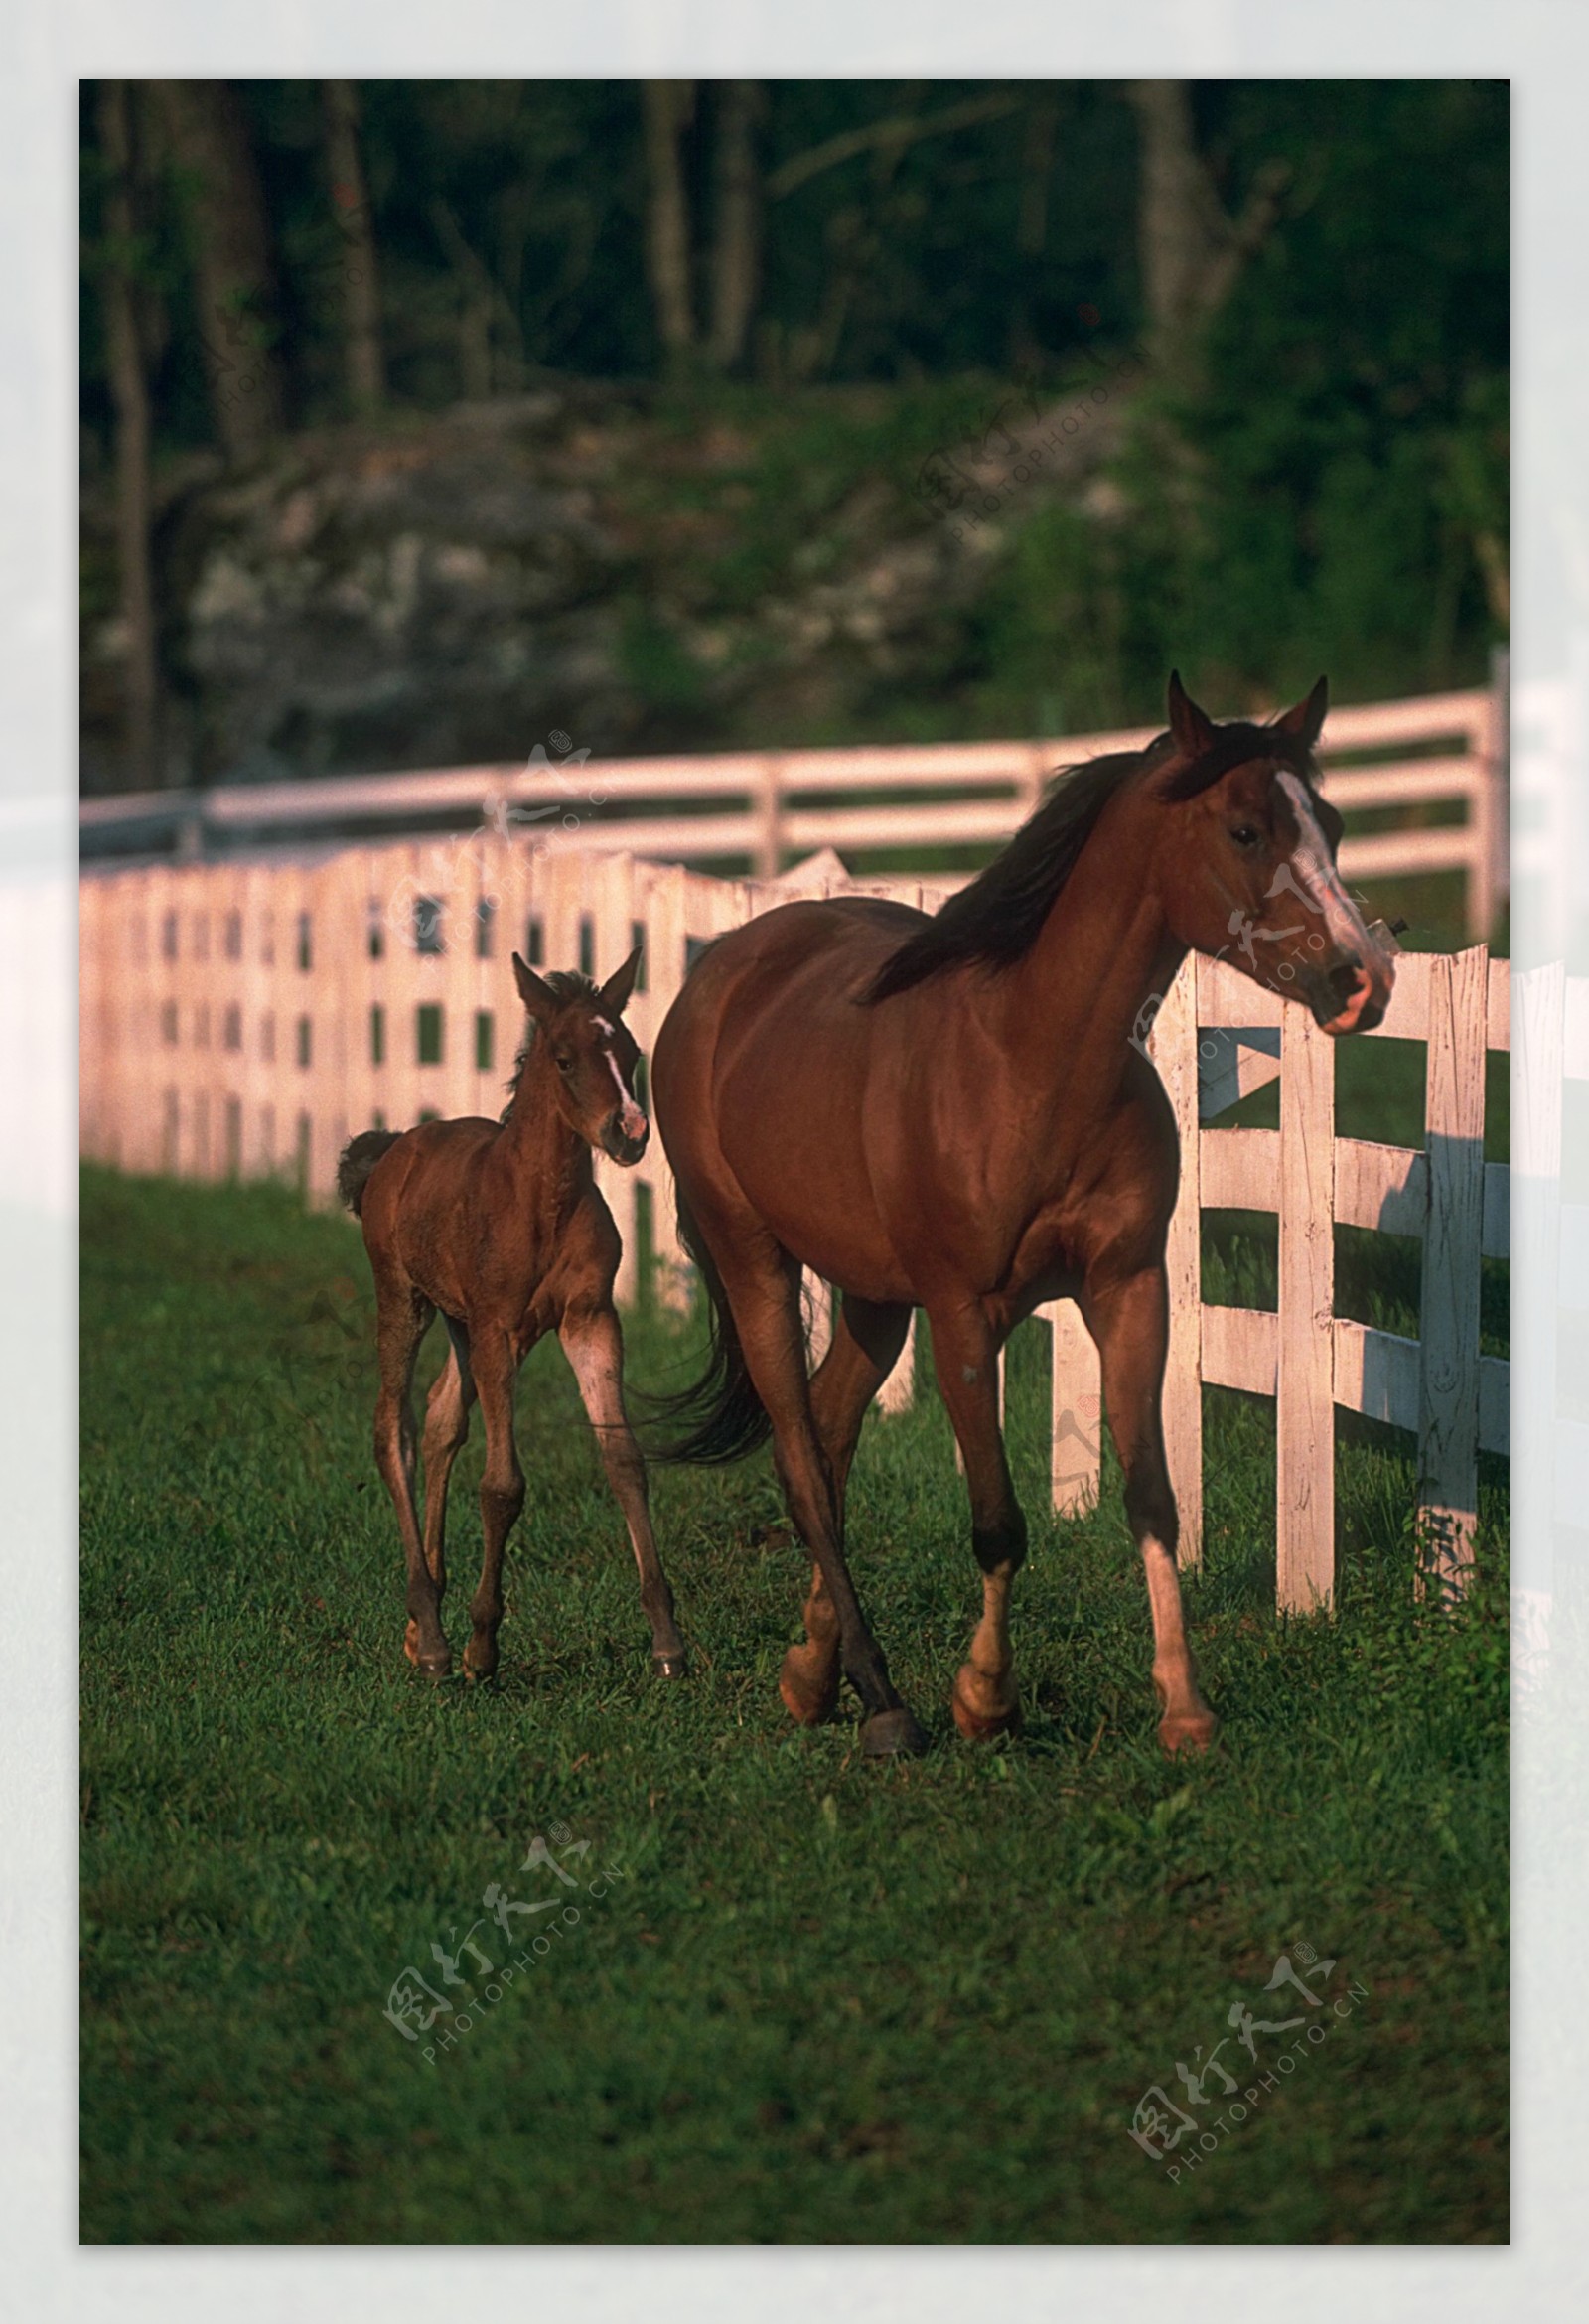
(953, 1113)
(501, 1225)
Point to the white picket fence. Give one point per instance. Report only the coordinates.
(1434, 751)
(245, 1019)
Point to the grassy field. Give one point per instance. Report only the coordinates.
(823, 2000)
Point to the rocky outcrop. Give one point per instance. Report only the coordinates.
(452, 591)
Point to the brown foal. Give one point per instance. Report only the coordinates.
(956, 1115)
(501, 1226)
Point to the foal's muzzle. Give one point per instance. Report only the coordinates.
(621, 1141)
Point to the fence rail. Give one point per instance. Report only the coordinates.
(763, 807)
(244, 1019)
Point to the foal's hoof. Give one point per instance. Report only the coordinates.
(1187, 1731)
(480, 1662)
(808, 1699)
(671, 1666)
(978, 1711)
(889, 1732)
(434, 1665)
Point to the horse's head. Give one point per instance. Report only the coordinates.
(1247, 863)
(592, 1055)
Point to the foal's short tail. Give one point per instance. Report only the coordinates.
(722, 1415)
(358, 1159)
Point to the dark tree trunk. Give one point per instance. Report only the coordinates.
(1191, 251)
(130, 395)
(209, 135)
(669, 109)
(736, 258)
(361, 281)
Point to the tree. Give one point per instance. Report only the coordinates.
(130, 397)
(670, 107)
(229, 237)
(736, 263)
(361, 281)
(1191, 251)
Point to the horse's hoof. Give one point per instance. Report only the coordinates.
(433, 1666)
(1187, 1731)
(808, 1705)
(480, 1664)
(889, 1732)
(671, 1666)
(979, 1721)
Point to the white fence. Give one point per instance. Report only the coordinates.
(245, 1020)
(1435, 751)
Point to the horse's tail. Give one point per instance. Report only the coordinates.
(358, 1159)
(722, 1415)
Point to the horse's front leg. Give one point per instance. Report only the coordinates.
(1130, 1321)
(985, 1701)
(494, 1362)
(593, 1342)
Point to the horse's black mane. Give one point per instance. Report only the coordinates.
(568, 985)
(995, 921)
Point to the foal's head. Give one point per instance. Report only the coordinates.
(1246, 863)
(592, 1054)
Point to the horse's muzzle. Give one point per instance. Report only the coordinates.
(625, 1147)
(1352, 998)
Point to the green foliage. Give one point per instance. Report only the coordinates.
(831, 2001)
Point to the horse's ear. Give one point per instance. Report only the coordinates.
(537, 996)
(616, 991)
(1191, 728)
(1307, 718)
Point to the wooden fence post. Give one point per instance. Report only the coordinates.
(1448, 1331)
(1173, 1045)
(1077, 1410)
(1305, 1401)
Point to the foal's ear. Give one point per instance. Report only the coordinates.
(616, 991)
(1307, 718)
(1191, 728)
(538, 997)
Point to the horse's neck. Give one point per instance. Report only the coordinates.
(1073, 1007)
(550, 1162)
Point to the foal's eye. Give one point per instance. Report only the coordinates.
(1246, 835)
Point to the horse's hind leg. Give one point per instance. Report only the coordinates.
(593, 1342)
(446, 1433)
(403, 1319)
(866, 1343)
(985, 1701)
(763, 1288)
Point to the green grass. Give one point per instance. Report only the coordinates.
(829, 2000)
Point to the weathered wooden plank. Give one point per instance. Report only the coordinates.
(1241, 1169)
(1407, 1017)
(1242, 1348)
(1227, 997)
(1448, 1404)
(898, 1391)
(1376, 1374)
(1495, 1406)
(1077, 1410)
(1173, 1045)
(1383, 1186)
(1305, 1419)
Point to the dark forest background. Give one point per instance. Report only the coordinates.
(419, 418)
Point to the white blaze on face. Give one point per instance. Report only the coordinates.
(1316, 876)
(630, 1121)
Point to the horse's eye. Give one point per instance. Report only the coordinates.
(565, 1064)
(1244, 835)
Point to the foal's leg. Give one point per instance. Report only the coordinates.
(404, 1316)
(593, 1342)
(446, 1432)
(762, 1287)
(865, 1347)
(502, 1490)
(965, 1355)
(1130, 1323)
